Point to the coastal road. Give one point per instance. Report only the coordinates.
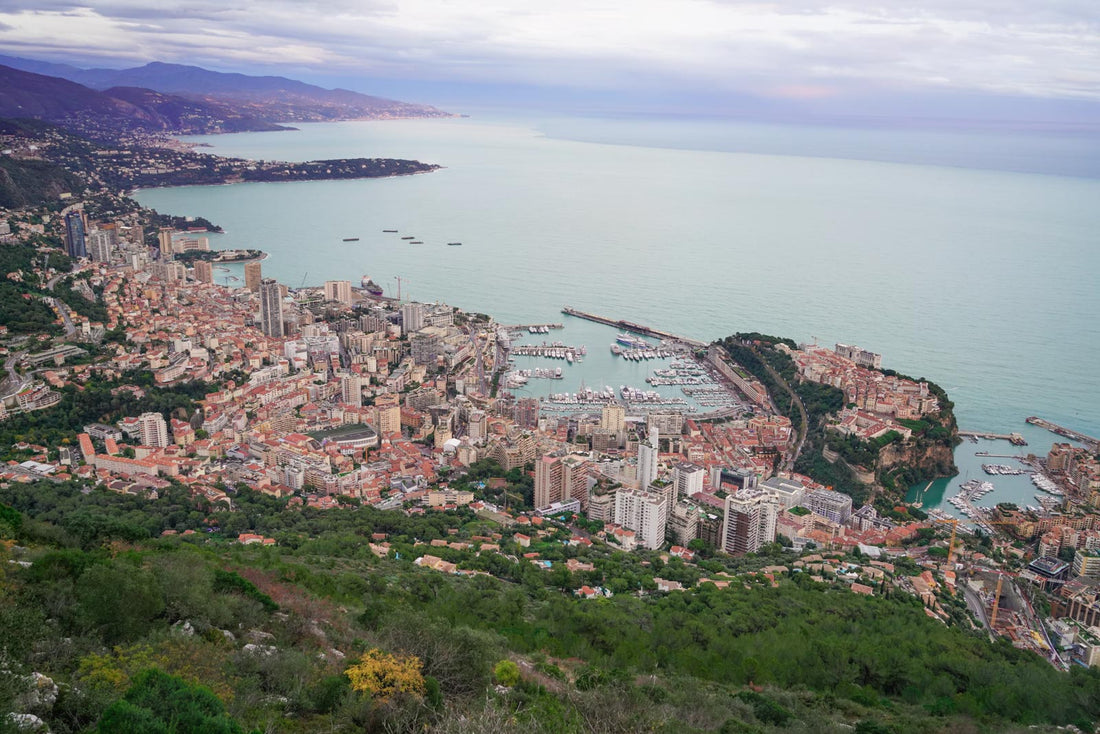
(13, 383)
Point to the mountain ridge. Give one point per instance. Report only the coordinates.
(271, 98)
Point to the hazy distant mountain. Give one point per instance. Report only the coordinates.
(27, 95)
(264, 97)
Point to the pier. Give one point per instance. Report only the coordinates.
(1066, 432)
(1014, 438)
(631, 326)
(534, 328)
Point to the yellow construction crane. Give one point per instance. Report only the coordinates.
(954, 529)
(996, 603)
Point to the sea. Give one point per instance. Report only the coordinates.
(969, 257)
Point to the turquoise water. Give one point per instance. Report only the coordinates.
(982, 280)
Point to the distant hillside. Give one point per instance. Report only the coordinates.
(30, 183)
(28, 95)
(23, 94)
(263, 97)
(187, 115)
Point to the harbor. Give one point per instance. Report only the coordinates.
(1021, 482)
(631, 326)
(668, 379)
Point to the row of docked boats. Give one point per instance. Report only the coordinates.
(1003, 470)
(1046, 484)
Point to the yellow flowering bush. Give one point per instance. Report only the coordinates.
(382, 675)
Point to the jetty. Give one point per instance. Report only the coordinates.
(631, 326)
(533, 328)
(1014, 438)
(1066, 432)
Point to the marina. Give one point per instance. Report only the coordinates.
(971, 491)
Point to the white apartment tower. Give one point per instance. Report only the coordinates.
(688, 478)
(750, 521)
(647, 460)
(154, 431)
(643, 512)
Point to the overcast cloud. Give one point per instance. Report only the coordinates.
(795, 48)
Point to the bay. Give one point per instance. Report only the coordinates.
(983, 280)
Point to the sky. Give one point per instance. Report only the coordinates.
(813, 52)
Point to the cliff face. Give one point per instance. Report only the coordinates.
(917, 460)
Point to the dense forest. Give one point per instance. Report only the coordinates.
(318, 633)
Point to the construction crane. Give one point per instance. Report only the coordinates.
(398, 278)
(996, 602)
(954, 530)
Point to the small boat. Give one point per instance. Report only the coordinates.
(351, 239)
(391, 231)
(410, 237)
(416, 242)
(454, 244)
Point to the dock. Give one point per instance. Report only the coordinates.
(1066, 432)
(537, 327)
(631, 326)
(1014, 438)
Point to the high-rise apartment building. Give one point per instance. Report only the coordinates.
(548, 481)
(253, 275)
(683, 523)
(835, 506)
(99, 245)
(75, 245)
(613, 417)
(647, 460)
(164, 240)
(351, 390)
(477, 426)
(154, 430)
(574, 479)
(271, 308)
(412, 317)
(338, 290)
(688, 478)
(204, 271)
(527, 412)
(643, 512)
(560, 479)
(750, 521)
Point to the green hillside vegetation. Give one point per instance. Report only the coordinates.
(100, 401)
(33, 182)
(270, 631)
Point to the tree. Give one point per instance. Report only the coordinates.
(506, 673)
(159, 703)
(382, 675)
